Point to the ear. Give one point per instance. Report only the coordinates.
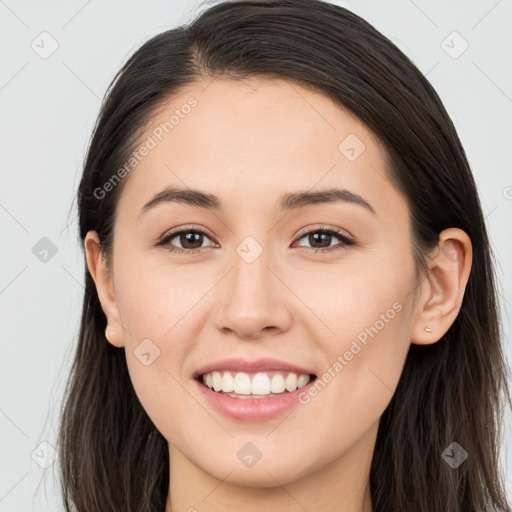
(104, 286)
(442, 289)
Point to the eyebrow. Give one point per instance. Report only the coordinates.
(291, 201)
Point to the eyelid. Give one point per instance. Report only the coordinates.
(180, 229)
(323, 227)
(304, 231)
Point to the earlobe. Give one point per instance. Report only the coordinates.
(102, 278)
(442, 289)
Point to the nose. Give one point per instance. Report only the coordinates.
(253, 300)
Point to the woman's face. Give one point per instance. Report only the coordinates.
(257, 285)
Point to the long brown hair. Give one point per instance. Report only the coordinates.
(112, 457)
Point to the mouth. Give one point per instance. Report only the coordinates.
(254, 385)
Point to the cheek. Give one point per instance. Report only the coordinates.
(160, 392)
(372, 349)
(157, 312)
(367, 340)
(156, 299)
(357, 300)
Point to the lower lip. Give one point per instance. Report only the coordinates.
(252, 409)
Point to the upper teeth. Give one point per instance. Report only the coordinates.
(260, 383)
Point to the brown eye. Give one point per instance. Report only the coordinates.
(320, 240)
(190, 240)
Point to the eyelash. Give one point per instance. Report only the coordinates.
(345, 241)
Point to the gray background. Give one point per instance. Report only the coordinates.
(48, 109)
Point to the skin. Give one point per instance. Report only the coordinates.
(249, 142)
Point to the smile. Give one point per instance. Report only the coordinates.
(252, 405)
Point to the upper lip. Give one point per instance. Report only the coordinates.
(245, 365)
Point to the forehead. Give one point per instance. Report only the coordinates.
(251, 141)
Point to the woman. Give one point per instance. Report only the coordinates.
(290, 299)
